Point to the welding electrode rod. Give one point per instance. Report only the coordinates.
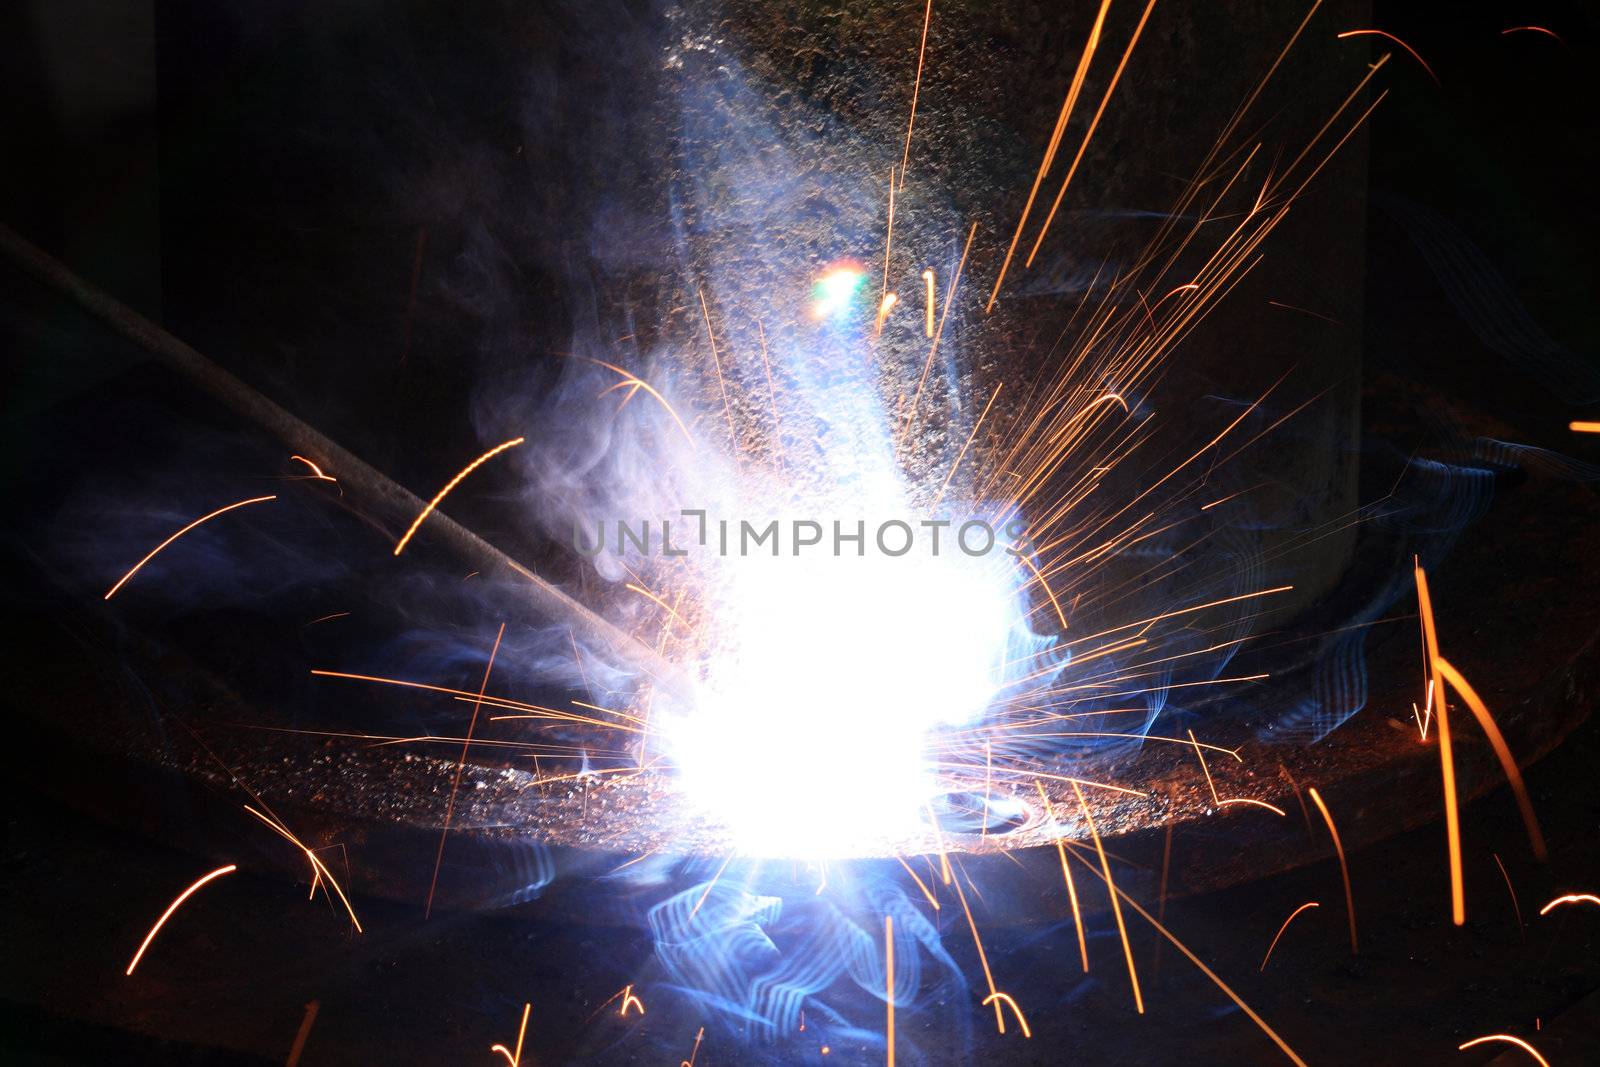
(392, 498)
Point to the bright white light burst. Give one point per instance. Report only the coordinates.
(811, 737)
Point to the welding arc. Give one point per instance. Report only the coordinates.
(377, 489)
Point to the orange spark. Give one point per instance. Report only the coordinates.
(1281, 929)
(888, 982)
(693, 1052)
(1089, 409)
(1055, 142)
(983, 957)
(1508, 1039)
(1398, 41)
(1570, 898)
(1182, 611)
(1305, 311)
(949, 297)
(648, 595)
(710, 886)
(1452, 813)
(1584, 427)
(633, 383)
(988, 784)
(304, 1032)
(1061, 616)
(888, 235)
(629, 999)
(1089, 136)
(461, 763)
(1066, 873)
(1258, 803)
(174, 906)
(327, 618)
(515, 1058)
(1116, 908)
(916, 88)
(451, 484)
(888, 302)
(927, 310)
(1344, 870)
(716, 361)
(1516, 906)
(316, 471)
(1005, 998)
(1202, 757)
(1531, 29)
(1508, 764)
(319, 870)
(204, 518)
(926, 892)
(1207, 971)
(970, 438)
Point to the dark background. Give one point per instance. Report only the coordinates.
(309, 194)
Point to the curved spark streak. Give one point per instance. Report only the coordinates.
(1005, 998)
(1089, 409)
(1532, 29)
(1516, 907)
(1258, 803)
(1502, 751)
(1570, 898)
(1398, 41)
(636, 383)
(1061, 616)
(174, 906)
(153, 552)
(695, 1050)
(451, 484)
(1281, 929)
(1508, 1039)
(1441, 714)
(926, 892)
(514, 1059)
(1344, 870)
(319, 870)
(884, 306)
(316, 471)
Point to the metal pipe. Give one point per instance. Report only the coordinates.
(378, 489)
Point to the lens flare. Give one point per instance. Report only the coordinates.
(834, 293)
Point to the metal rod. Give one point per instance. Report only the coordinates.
(389, 496)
